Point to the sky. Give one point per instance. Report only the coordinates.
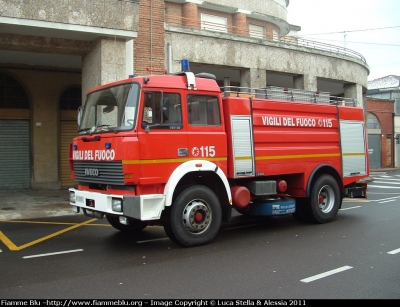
(369, 27)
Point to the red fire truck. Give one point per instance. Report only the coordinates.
(179, 151)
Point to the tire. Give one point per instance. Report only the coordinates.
(166, 217)
(324, 202)
(133, 226)
(302, 205)
(194, 218)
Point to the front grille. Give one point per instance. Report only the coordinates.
(99, 172)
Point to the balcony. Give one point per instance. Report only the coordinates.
(268, 36)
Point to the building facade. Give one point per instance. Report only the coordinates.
(380, 131)
(384, 98)
(52, 52)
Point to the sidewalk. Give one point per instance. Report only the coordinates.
(28, 204)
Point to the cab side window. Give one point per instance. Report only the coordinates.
(203, 110)
(162, 110)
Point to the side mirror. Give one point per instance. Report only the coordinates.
(79, 115)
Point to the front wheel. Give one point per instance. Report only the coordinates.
(194, 218)
(133, 226)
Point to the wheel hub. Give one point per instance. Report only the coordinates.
(196, 216)
(326, 199)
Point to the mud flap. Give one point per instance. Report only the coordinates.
(226, 212)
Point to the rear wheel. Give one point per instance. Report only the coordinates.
(194, 218)
(133, 226)
(323, 204)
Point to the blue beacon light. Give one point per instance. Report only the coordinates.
(185, 65)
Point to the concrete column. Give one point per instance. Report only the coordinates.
(105, 63)
(253, 78)
(354, 91)
(305, 82)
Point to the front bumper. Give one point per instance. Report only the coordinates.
(143, 207)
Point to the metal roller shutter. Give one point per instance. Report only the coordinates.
(15, 162)
(374, 150)
(68, 132)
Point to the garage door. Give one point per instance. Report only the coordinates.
(398, 154)
(68, 132)
(14, 155)
(374, 150)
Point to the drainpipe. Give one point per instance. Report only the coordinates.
(169, 58)
(151, 35)
(393, 143)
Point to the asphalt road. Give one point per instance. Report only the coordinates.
(355, 257)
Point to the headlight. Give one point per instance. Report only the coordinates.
(116, 204)
(72, 197)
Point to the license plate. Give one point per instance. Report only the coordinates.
(79, 199)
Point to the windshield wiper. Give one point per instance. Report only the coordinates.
(100, 128)
(84, 130)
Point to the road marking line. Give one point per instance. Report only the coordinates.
(145, 241)
(13, 247)
(381, 186)
(386, 193)
(351, 208)
(49, 223)
(7, 242)
(394, 251)
(390, 182)
(386, 199)
(322, 275)
(55, 253)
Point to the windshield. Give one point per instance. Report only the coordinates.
(110, 109)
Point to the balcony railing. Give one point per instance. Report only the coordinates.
(176, 20)
(287, 94)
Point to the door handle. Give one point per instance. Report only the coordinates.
(182, 152)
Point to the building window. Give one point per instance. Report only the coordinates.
(12, 95)
(275, 35)
(397, 106)
(373, 121)
(71, 99)
(214, 23)
(256, 31)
